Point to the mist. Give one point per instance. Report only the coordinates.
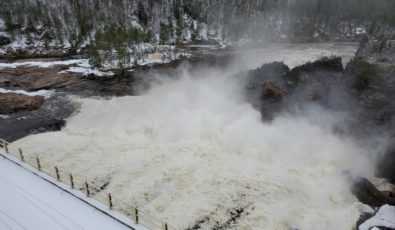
(193, 149)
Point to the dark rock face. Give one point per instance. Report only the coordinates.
(13, 102)
(373, 75)
(368, 194)
(4, 40)
(386, 166)
(274, 87)
(266, 87)
(49, 117)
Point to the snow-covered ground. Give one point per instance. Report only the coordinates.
(79, 66)
(45, 93)
(46, 64)
(88, 70)
(29, 202)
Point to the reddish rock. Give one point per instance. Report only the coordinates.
(13, 102)
(312, 97)
(32, 78)
(271, 90)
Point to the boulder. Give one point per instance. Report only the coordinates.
(368, 194)
(13, 102)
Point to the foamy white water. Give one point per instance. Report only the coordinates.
(192, 149)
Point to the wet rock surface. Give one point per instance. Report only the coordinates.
(368, 194)
(14, 102)
(33, 78)
(49, 117)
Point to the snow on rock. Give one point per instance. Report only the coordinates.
(45, 93)
(88, 71)
(203, 31)
(385, 217)
(83, 66)
(359, 30)
(66, 44)
(2, 24)
(80, 62)
(154, 58)
(19, 43)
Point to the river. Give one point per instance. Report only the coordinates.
(192, 151)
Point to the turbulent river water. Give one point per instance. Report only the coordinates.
(191, 149)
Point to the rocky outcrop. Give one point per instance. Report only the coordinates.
(14, 102)
(368, 194)
(49, 117)
(274, 87)
(373, 72)
(32, 78)
(364, 90)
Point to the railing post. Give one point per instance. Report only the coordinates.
(110, 201)
(165, 226)
(71, 180)
(5, 144)
(21, 155)
(136, 215)
(87, 189)
(38, 164)
(57, 173)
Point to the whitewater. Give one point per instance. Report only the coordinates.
(191, 149)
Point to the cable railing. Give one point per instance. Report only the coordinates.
(92, 191)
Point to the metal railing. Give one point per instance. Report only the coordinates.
(132, 212)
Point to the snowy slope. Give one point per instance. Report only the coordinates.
(29, 202)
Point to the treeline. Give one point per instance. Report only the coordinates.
(329, 13)
(76, 20)
(113, 26)
(114, 38)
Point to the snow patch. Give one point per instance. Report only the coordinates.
(80, 62)
(19, 43)
(385, 217)
(2, 24)
(203, 31)
(359, 30)
(66, 44)
(45, 93)
(88, 71)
